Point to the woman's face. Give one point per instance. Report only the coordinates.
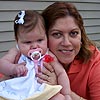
(65, 39)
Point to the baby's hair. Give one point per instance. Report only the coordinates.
(25, 21)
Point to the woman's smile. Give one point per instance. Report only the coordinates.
(66, 51)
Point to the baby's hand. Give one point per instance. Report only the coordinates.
(20, 69)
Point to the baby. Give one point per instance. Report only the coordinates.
(31, 40)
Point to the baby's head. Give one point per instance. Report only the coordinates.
(29, 31)
(25, 21)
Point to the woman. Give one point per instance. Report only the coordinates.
(78, 56)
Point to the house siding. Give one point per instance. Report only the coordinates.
(89, 9)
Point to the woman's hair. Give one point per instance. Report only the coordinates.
(25, 21)
(60, 10)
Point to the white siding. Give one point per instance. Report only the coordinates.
(89, 9)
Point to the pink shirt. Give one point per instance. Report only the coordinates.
(85, 78)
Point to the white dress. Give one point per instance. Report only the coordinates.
(22, 87)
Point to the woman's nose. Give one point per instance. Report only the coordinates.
(66, 41)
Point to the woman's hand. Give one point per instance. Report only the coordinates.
(47, 75)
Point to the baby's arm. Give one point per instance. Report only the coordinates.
(8, 66)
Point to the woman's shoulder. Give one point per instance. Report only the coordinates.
(95, 53)
(94, 66)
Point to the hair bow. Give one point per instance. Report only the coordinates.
(21, 17)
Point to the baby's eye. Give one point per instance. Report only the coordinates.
(57, 34)
(40, 40)
(73, 34)
(27, 42)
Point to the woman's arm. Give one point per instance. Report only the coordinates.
(63, 80)
(74, 96)
(56, 72)
(7, 61)
(8, 66)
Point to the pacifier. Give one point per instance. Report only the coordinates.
(35, 54)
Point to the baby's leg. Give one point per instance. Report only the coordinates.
(58, 97)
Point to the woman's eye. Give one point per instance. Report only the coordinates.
(73, 34)
(56, 35)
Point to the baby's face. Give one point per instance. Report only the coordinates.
(32, 40)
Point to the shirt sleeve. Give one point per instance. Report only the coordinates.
(94, 82)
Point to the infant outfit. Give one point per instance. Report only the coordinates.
(27, 87)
